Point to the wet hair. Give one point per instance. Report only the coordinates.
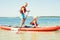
(25, 4)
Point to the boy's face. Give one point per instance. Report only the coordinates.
(25, 4)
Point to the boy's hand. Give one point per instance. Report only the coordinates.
(28, 10)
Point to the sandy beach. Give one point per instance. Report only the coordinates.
(9, 35)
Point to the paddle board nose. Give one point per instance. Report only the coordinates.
(58, 27)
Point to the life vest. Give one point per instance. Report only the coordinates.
(24, 9)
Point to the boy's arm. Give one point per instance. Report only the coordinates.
(28, 10)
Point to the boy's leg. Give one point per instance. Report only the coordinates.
(22, 20)
(21, 23)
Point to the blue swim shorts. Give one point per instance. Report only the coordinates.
(23, 16)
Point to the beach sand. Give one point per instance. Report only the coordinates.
(8, 35)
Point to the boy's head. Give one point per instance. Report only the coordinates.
(35, 17)
(25, 4)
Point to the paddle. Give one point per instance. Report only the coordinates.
(27, 15)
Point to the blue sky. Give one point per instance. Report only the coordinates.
(10, 8)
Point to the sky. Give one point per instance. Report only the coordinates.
(10, 8)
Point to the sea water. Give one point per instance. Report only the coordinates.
(42, 21)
